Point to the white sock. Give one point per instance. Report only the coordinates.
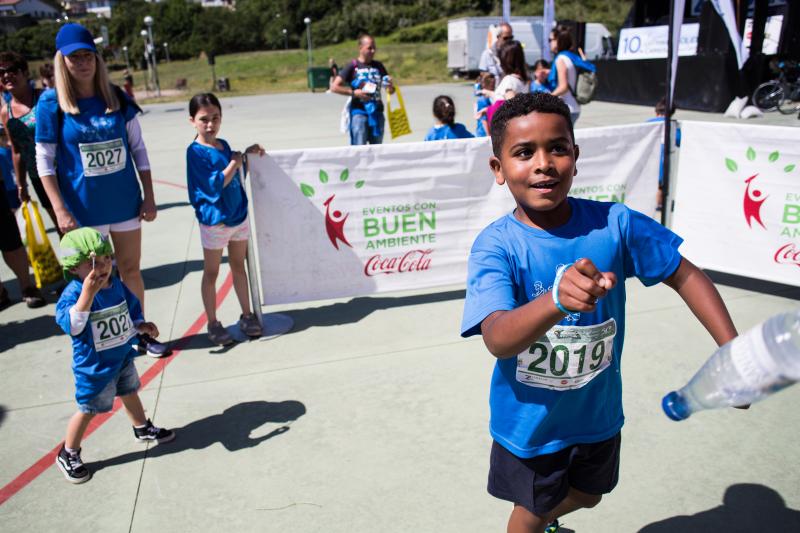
(71, 451)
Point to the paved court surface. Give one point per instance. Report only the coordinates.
(371, 414)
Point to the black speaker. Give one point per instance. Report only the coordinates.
(713, 37)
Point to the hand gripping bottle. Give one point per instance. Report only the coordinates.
(749, 368)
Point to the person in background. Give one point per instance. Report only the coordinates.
(47, 76)
(490, 57)
(444, 111)
(516, 80)
(334, 68)
(19, 118)
(661, 115)
(127, 78)
(541, 70)
(7, 171)
(563, 75)
(487, 83)
(362, 80)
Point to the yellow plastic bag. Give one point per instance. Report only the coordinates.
(398, 119)
(46, 268)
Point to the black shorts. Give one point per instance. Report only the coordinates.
(9, 231)
(540, 483)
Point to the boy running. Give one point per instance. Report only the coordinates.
(543, 290)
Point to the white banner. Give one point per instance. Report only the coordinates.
(348, 221)
(772, 35)
(652, 42)
(737, 201)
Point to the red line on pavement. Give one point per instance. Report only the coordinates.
(48, 460)
(171, 184)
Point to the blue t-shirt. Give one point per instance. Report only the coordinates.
(566, 388)
(95, 170)
(446, 131)
(213, 202)
(482, 103)
(106, 343)
(8, 177)
(537, 87)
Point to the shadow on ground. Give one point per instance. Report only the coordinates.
(359, 308)
(756, 285)
(231, 428)
(161, 276)
(15, 333)
(170, 205)
(746, 507)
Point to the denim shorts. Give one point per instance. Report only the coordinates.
(124, 383)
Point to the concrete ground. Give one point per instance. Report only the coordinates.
(371, 413)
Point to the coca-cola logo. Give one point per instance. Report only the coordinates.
(788, 254)
(411, 261)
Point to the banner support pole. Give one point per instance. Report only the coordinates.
(666, 199)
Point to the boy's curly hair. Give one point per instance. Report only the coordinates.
(525, 104)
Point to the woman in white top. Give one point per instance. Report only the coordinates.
(566, 76)
(516, 79)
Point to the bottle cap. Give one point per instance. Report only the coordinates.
(674, 407)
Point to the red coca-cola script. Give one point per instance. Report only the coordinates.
(411, 261)
(788, 254)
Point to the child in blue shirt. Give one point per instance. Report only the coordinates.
(486, 83)
(444, 111)
(220, 204)
(103, 317)
(541, 71)
(543, 290)
(7, 171)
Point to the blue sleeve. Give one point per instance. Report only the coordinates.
(47, 118)
(651, 249)
(134, 306)
(490, 286)
(68, 298)
(202, 178)
(461, 132)
(431, 135)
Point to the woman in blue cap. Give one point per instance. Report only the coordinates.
(89, 150)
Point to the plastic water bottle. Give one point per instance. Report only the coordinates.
(749, 368)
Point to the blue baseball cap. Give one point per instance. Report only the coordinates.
(73, 37)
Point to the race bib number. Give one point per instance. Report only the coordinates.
(111, 327)
(103, 158)
(568, 357)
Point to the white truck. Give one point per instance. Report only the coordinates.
(468, 37)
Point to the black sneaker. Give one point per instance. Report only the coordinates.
(72, 466)
(151, 433)
(148, 345)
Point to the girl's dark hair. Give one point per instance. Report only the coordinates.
(542, 63)
(487, 81)
(444, 109)
(563, 38)
(14, 59)
(203, 100)
(512, 60)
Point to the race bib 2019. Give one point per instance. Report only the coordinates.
(568, 357)
(111, 327)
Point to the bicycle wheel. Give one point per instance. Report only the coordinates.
(768, 95)
(791, 103)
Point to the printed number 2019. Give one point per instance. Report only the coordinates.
(596, 357)
(104, 158)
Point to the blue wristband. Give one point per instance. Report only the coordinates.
(559, 275)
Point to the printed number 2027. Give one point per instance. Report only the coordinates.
(598, 351)
(104, 157)
(113, 327)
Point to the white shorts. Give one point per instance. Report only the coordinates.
(217, 237)
(126, 225)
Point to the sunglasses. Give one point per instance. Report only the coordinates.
(10, 70)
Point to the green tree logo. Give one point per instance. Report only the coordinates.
(334, 219)
(753, 197)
